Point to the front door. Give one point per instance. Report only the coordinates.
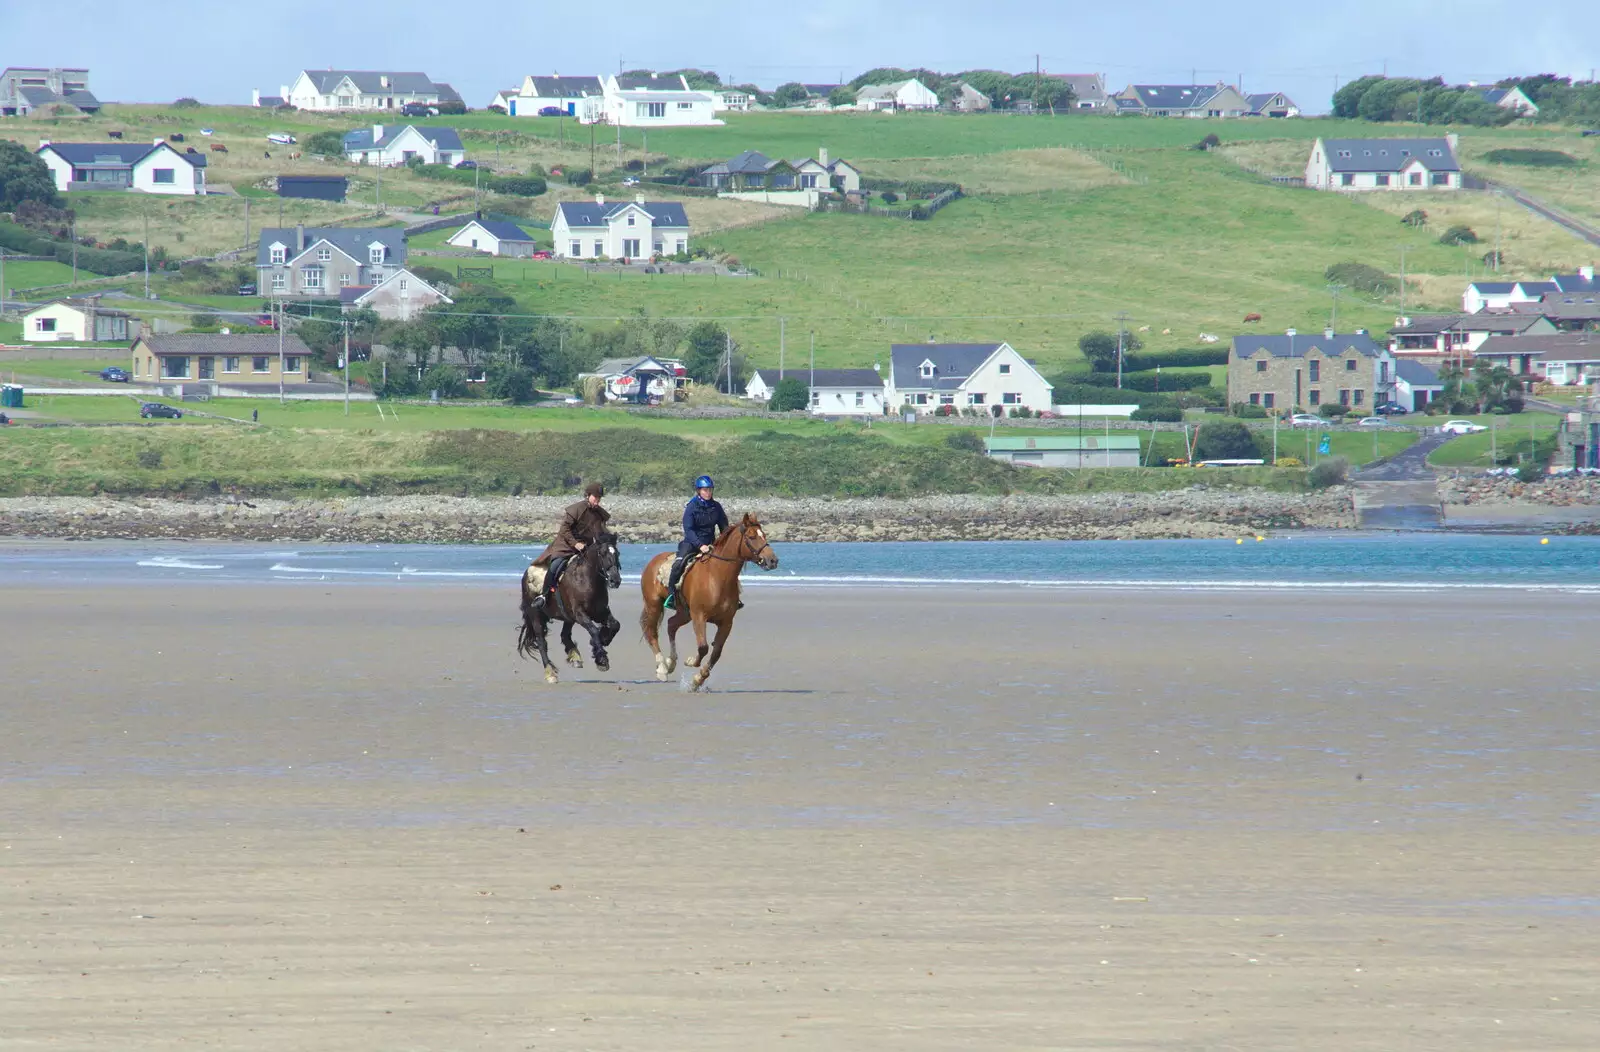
(630, 247)
(208, 368)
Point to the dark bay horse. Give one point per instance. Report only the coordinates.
(582, 597)
(708, 593)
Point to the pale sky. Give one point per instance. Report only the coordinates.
(160, 50)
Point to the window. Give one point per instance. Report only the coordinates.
(1255, 399)
(279, 255)
(631, 218)
(651, 109)
(922, 399)
(1414, 179)
(405, 285)
(406, 155)
(685, 105)
(162, 175)
(280, 281)
(344, 281)
(659, 248)
(311, 278)
(1357, 395)
(861, 399)
(683, 246)
(808, 181)
(630, 247)
(1347, 179)
(577, 248)
(324, 254)
(291, 363)
(1382, 178)
(175, 366)
(208, 367)
(1268, 399)
(925, 370)
(1344, 153)
(1315, 368)
(1314, 398)
(375, 254)
(1011, 398)
(44, 325)
(947, 399)
(976, 398)
(1344, 396)
(1441, 178)
(816, 399)
(1005, 368)
(599, 248)
(344, 101)
(230, 365)
(1349, 365)
(258, 364)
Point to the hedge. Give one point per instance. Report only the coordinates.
(1092, 394)
(1169, 414)
(103, 261)
(1138, 363)
(518, 185)
(1363, 278)
(1165, 382)
(930, 187)
(1533, 158)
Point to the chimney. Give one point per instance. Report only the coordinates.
(1361, 332)
(43, 143)
(1327, 334)
(638, 199)
(822, 157)
(1452, 138)
(1586, 273)
(255, 96)
(299, 238)
(599, 199)
(383, 81)
(377, 133)
(1288, 332)
(283, 92)
(157, 142)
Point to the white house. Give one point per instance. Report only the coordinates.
(495, 237)
(1272, 104)
(652, 101)
(834, 392)
(399, 297)
(1384, 164)
(81, 320)
(392, 146)
(1415, 385)
(901, 95)
(1502, 295)
(732, 99)
(155, 168)
(927, 377)
(582, 98)
(629, 230)
(354, 89)
(1512, 99)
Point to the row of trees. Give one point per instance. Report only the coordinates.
(1431, 101)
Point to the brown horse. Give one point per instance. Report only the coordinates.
(582, 597)
(708, 593)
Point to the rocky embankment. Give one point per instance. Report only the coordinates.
(1561, 491)
(1195, 512)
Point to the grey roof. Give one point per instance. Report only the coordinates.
(369, 82)
(348, 294)
(1493, 95)
(1492, 288)
(951, 361)
(594, 215)
(1480, 322)
(351, 240)
(822, 90)
(243, 344)
(880, 91)
(1428, 324)
(752, 161)
(627, 366)
(446, 92)
(1546, 346)
(1390, 155)
(272, 101)
(1562, 305)
(1415, 373)
(1175, 96)
(1261, 100)
(652, 82)
(1538, 288)
(503, 230)
(1574, 283)
(108, 154)
(1300, 344)
(1086, 87)
(442, 138)
(826, 377)
(565, 87)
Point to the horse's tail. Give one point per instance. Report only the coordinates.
(525, 633)
(649, 618)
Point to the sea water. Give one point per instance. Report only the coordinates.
(1379, 562)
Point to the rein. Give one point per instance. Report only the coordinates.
(744, 533)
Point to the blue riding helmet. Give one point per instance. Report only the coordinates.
(704, 482)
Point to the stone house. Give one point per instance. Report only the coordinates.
(1303, 371)
(319, 261)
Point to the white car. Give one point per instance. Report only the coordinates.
(1308, 420)
(281, 139)
(1461, 427)
(1373, 421)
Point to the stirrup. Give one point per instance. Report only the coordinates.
(670, 602)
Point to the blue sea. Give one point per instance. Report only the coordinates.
(1379, 562)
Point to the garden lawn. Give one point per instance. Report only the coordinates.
(76, 369)
(32, 275)
(1518, 433)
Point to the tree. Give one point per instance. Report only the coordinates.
(1460, 234)
(1347, 100)
(1498, 388)
(704, 358)
(1045, 92)
(790, 394)
(698, 79)
(1225, 440)
(326, 143)
(445, 380)
(513, 383)
(1417, 217)
(1101, 349)
(24, 177)
(843, 95)
(790, 94)
(413, 339)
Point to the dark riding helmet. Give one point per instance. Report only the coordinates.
(704, 482)
(594, 489)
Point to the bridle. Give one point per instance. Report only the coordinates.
(750, 553)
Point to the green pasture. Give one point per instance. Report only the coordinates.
(26, 370)
(1519, 433)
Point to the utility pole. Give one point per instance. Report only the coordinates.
(591, 149)
(2, 280)
(1122, 319)
(727, 357)
(1498, 196)
(246, 240)
(812, 386)
(280, 351)
(1333, 291)
(780, 350)
(147, 255)
(1402, 281)
(347, 367)
(75, 249)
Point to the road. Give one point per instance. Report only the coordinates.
(1410, 465)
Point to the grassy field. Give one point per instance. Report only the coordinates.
(31, 275)
(31, 370)
(1514, 434)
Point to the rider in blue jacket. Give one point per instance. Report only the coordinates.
(703, 520)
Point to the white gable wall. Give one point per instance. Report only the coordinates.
(180, 177)
(55, 321)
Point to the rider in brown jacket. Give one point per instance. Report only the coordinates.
(581, 525)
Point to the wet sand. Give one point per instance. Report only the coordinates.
(349, 818)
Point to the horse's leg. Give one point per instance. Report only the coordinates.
(597, 647)
(675, 622)
(574, 658)
(700, 643)
(724, 630)
(541, 637)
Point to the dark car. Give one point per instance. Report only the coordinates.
(417, 109)
(156, 409)
(552, 111)
(1391, 409)
(113, 374)
(248, 288)
(470, 164)
(1590, 131)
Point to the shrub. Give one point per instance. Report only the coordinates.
(1138, 363)
(579, 177)
(495, 107)
(1494, 258)
(186, 103)
(1333, 411)
(434, 276)
(326, 143)
(520, 185)
(1530, 472)
(514, 384)
(1210, 142)
(1331, 472)
(790, 394)
(634, 165)
(1533, 158)
(1415, 218)
(1071, 390)
(1022, 412)
(1460, 234)
(1288, 462)
(1170, 414)
(890, 197)
(966, 441)
(536, 169)
(1246, 411)
(1149, 381)
(447, 380)
(1224, 440)
(1363, 278)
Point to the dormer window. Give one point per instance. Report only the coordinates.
(926, 370)
(324, 254)
(375, 254)
(280, 254)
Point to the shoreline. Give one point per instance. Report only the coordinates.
(1197, 513)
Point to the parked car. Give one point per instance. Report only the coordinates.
(1461, 427)
(148, 410)
(543, 254)
(1308, 420)
(418, 109)
(248, 288)
(1587, 132)
(552, 111)
(471, 164)
(114, 374)
(1391, 409)
(1373, 421)
(282, 139)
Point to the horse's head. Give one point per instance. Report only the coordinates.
(608, 559)
(756, 547)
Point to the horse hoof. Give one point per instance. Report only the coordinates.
(662, 675)
(697, 682)
(574, 659)
(603, 664)
(692, 662)
(550, 676)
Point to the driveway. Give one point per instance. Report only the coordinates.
(1410, 465)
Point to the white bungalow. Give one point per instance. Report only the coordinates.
(927, 377)
(834, 392)
(495, 237)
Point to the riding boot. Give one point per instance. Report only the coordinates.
(672, 584)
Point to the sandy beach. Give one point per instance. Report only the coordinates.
(349, 818)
